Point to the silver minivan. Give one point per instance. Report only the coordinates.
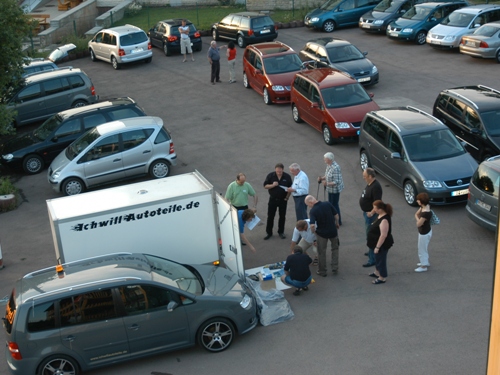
(114, 151)
(120, 45)
(45, 94)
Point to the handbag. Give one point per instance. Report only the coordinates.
(434, 219)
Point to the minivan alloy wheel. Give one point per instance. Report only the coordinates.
(364, 161)
(329, 26)
(327, 135)
(241, 41)
(216, 334)
(296, 114)
(59, 365)
(267, 99)
(410, 193)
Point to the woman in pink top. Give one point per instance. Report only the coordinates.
(231, 60)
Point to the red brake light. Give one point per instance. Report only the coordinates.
(483, 45)
(92, 90)
(275, 28)
(171, 150)
(197, 34)
(150, 46)
(250, 32)
(172, 38)
(14, 351)
(121, 52)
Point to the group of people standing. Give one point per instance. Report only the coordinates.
(320, 228)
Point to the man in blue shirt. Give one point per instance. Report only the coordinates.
(243, 217)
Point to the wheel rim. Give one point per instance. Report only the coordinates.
(245, 80)
(114, 62)
(241, 43)
(79, 104)
(409, 193)
(421, 38)
(498, 57)
(295, 113)
(214, 35)
(326, 134)
(266, 96)
(73, 187)
(160, 170)
(217, 336)
(363, 159)
(328, 27)
(59, 367)
(33, 165)
(92, 56)
(165, 49)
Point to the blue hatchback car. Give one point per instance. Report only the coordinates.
(417, 21)
(338, 13)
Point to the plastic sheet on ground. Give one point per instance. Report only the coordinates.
(272, 305)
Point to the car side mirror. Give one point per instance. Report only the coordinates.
(371, 94)
(258, 71)
(55, 139)
(172, 305)
(395, 155)
(365, 53)
(475, 131)
(315, 105)
(432, 19)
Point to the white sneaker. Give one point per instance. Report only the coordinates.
(421, 269)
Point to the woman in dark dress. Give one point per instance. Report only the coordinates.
(380, 239)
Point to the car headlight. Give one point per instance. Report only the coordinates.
(431, 184)
(378, 22)
(407, 30)
(278, 88)
(246, 301)
(342, 125)
(450, 38)
(374, 70)
(55, 176)
(315, 19)
(8, 157)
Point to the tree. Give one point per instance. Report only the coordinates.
(15, 25)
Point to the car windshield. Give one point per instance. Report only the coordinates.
(433, 145)
(282, 64)
(331, 4)
(47, 127)
(417, 13)
(344, 53)
(344, 96)
(175, 274)
(387, 6)
(133, 38)
(491, 122)
(74, 149)
(487, 179)
(487, 30)
(458, 19)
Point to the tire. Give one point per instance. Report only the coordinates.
(216, 335)
(497, 58)
(241, 41)
(33, 164)
(410, 193)
(159, 169)
(92, 55)
(329, 26)
(58, 364)
(420, 38)
(79, 103)
(114, 62)
(245, 81)
(327, 135)
(364, 160)
(296, 115)
(486, 157)
(265, 94)
(148, 60)
(73, 186)
(215, 35)
(166, 50)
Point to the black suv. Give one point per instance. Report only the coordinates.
(33, 150)
(166, 35)
(473, 114)
(245, 28)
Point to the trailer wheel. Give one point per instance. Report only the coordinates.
(159, 169)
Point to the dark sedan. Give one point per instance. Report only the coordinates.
(165, 34)
(342, 55)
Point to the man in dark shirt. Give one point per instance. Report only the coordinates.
(371, 193)
(297, 271)
(324, 221)
(278, 199)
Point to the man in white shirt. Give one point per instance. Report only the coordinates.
(305, 238)
(299, 190)
(185, 40)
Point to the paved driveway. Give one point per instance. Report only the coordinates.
(431, 323)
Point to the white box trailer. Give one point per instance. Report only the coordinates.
(180, 218)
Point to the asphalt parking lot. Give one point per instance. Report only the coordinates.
(431, 323)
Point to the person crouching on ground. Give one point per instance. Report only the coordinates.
(297, 272)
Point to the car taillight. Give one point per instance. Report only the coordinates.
(172, 38)
(92, 90)
(150, 46)
(121, 52)
(197, 34)
(275, 28)
(250, 32)
(14, 351)
(483, 45)
(171, 151)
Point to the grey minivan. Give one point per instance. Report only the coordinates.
(114, 151)
(416, 152)
(45, 94)
(99, 311)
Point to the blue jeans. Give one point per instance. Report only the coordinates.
(333, 198)
(368, 222)
(298, 284)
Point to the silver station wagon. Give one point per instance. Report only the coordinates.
(104, 310)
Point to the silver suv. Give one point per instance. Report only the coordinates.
(482, 205)
(120, 45)
(416, 152)
(105, 310)
(114, 151)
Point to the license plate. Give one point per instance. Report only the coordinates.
(394, 34)
(136, 50)
(265, 31)
(481, 204)
(459, 192)
(469, 43)
(364, 79)
(365, 25)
